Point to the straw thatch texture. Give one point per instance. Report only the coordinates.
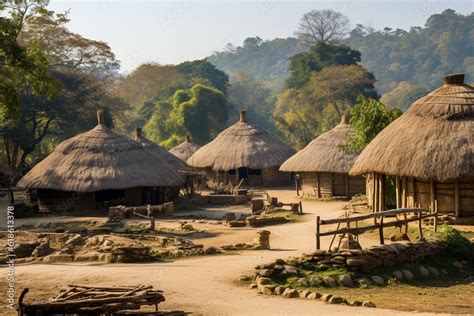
(155, 149)
(184, 150)
(325, 153)
(100, 159)
(241, 145)
(432, 140)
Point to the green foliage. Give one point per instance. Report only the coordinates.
(403, 95)
(302, 114)
(368, 118)
(321, 55)
(458, 246)
(422, 55)
(200, 111)
(202, 69)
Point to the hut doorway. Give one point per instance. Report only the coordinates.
(109, 195)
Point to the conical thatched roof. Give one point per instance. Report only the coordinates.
(432, 140)
(185, 150)
(99, 159)
(155, 149)
(325, 153)
(241, 145)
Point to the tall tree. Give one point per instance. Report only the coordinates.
(321, 55)
(204, 70)
(403, 95)
(322, 26)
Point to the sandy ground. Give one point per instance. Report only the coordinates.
(203, 285)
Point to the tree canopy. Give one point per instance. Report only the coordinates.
(322, 26)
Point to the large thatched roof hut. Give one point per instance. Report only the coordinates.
(323, 165)
(98, 168)
(185, 150)
(428, 151)
(244, 151)
(156, 149)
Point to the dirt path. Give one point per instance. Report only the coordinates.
(203, 285)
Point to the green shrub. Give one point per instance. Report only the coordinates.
(458, 246)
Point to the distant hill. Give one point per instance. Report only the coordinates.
(421, 55)
(262, 60)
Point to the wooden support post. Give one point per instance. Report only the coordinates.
(301, 208)
(381, 231)
(332, 184)
(404, 192)
(414, 191)
(381, 193)
(376, 192)
(406, 224)
(152, 226)
(318, 183)
(457, 211)
(435, 228)
(318, 241)
(346, 181)
(420, 225)
(397, 192)
(432, 196)
(296, 185)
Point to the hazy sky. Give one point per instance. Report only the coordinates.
(175, 31)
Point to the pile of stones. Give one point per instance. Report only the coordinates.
(258, 221)
(262, 241)
(377, 256)
(265, 286)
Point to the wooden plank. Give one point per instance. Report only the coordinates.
(457, 211)
(367, 216)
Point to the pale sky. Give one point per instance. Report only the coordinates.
(170, 32)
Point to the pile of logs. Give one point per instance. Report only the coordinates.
(92, 300)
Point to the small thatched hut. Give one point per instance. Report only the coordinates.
(323, 165)
(427, 152)
(244, 151)
(156, 149)
(99, 168)
(185, 150)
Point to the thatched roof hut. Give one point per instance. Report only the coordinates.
(323, 165)
(185, 150)
(156, 149)
(94, 166)
(429, 151)
(244, 151)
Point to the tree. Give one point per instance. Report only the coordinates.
(403, 95)
(302, 114)
(204, 72)
(200, 111)
(254, 96)
(321, 55)
(23, 67)
(322, 26)
(368, 118)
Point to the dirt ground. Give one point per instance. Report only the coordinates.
(204, 285)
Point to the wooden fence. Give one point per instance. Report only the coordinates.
(352, 223)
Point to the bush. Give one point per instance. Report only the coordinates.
(458, 246)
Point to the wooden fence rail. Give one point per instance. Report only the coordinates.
(378, 223)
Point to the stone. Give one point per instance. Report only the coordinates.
(237, 224)
(336, 300)
(266, 289)
(368, 304)
(407, 275)
(290, 293)
(264, 281)
(398, 236)
(315, 281)
(58, 258)
(356, 262)
(345, 280)
(290, 270)
(329, 281)
(423, 272)
(326, 297)
(457, 264)
(265, 272)
(211, 251)
(302, 282)
(433, 271)
(378, 280)
(364, 282)
(252, 286)
(355, 303)
(398, 275)
(313, 296)
(304, 294)
(279, 290)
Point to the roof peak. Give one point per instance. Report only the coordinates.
(454, 79)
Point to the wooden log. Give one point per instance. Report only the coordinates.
(367, 216)
(376, 192)
(318, 183)
(420, 225)
(404, 192)
(381, 231)
(397, 192)
(432, 196)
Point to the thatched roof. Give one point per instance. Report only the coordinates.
(325, 153)
(241, 145)
(100, 159)
(155, 149)
(185, 150)
(432, 140)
